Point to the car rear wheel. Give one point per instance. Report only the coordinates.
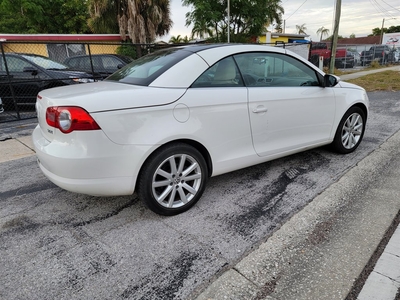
(173, 179)
(350, 131)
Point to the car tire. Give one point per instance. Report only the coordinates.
(172, 179)
(350, 131)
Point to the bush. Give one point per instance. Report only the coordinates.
(375, 64)
(127, 49)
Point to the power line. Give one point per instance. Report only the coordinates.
(390, 5)
(381, 9)
(296, 10)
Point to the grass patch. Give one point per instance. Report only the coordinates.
(381, 81)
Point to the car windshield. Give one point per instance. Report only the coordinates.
(147, 68)
(45, 62)
(126, 59)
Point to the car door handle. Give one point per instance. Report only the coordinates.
(260, 109)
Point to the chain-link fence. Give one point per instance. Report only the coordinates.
(364, 55)
(27, 68)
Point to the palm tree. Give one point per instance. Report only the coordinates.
(186, 39)
(176, 39)
(103, 16)
(301, 29)
(322, 31)
(144, 20)
(201, 29)
(140, 20)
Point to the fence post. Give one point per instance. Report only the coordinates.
(91, 60)
(321, 62)
(9, 81)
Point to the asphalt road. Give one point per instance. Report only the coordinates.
(58, 245)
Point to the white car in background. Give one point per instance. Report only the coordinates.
(1, 106)
(162, 125)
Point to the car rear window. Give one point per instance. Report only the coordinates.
(146, 69)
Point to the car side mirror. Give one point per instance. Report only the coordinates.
(330, 80)
(31, 70)
(120, 66)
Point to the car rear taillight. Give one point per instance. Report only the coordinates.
(70, 118)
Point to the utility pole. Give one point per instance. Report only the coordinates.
(335, 36)
(229, 22)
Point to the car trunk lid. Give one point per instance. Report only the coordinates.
(101, 97)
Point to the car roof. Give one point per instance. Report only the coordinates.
(201, 47)
(25, 54)
(103, 54)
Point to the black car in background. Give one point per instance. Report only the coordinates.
(103, 64)
(23, 76)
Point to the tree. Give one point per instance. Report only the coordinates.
(201, 29)
(247, 18)
(352, 36)
(322, 31)
(278, 27)
(176, 39)
(301, 29)
(104, 16)
(43, 16)
(393, 29)
(141, 21)
(377, 31)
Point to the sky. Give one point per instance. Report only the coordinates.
(357, 16)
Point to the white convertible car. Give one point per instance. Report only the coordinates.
(164, 124)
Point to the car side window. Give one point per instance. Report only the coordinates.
(2, 65)
(264, 69)
(73, 62)
(110, 62)
(16, 64)
(85, 63)
(222, 74)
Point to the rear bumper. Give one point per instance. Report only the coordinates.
(117, 186)
(89, 164)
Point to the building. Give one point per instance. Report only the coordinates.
(287, 38)
(60, 46)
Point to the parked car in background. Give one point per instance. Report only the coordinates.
(395, 56)
(165, 123)
(356, 56)
(380, 53)
(23, 76)
(343, 58)
(101, 65)
(1, 106)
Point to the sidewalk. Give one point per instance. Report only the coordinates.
(16, 140)
(363, 73)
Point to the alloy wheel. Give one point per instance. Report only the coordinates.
(352, 130)
(176, 181)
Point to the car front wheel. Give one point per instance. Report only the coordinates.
(350, 131)
(173, 179)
